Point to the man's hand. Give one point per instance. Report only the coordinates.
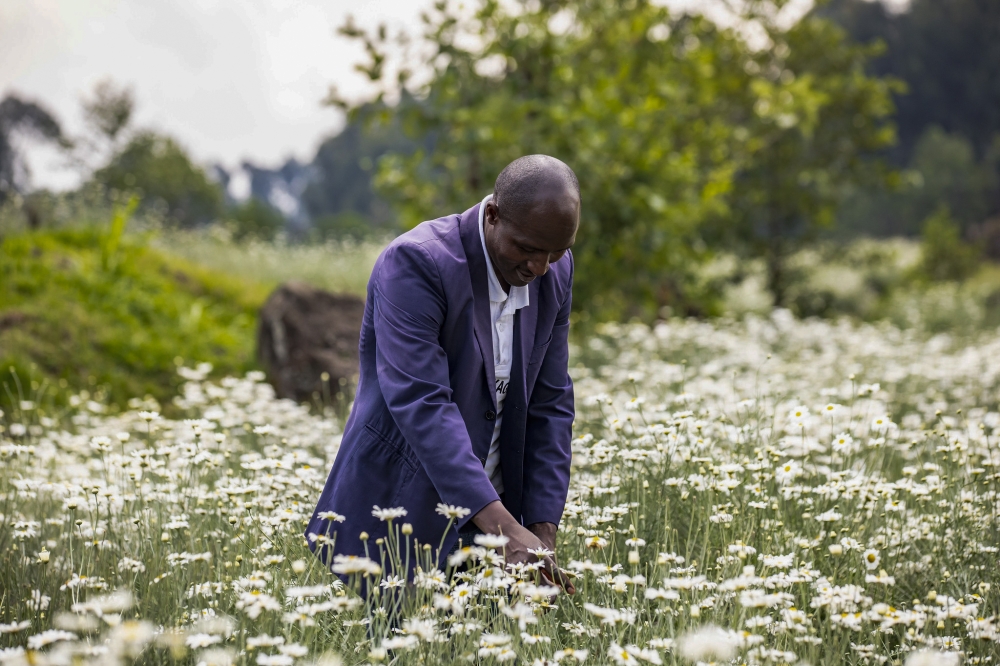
(495, 519)
(546, 533)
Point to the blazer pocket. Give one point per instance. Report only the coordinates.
(400, 451)
(538, 352)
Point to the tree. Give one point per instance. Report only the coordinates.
(818, 121)
(948, 54)
(255, 219)
(107, 114)
(944, 255)
(341, 195)
(657, 114)
(634, 100)
(20, 116)
(151, 165)
(109, 111)
(160, 171)
(943, 171)
(951, 176)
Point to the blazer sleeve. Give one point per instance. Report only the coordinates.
(409, 310)
(549, 426)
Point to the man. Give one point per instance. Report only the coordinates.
(464, 398)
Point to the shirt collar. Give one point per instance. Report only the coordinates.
(518, 295)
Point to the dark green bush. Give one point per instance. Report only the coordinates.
(159, 170)
(945, 255)
(255, 219)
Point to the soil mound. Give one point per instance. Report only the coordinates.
(304, 332)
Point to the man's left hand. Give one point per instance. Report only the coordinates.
(546, 533)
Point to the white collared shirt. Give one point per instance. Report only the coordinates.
(503, 306)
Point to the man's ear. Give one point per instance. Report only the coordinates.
(491, 214)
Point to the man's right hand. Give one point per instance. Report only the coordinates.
(495, 519)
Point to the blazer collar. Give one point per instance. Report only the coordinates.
(469, 232)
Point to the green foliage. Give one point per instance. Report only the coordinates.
(814, 120)
(22, 117)
(877, 281)
(255, 219)
(341, 192)
(110, 110)
(159, 170)
(111, 241)
(947, 53)
(78, 310)
(335, 265)
(627, 97)
(88, 205)
(944, 171)
(951, 176)
(948, 56)
(944, 255)
(345, 225)
(669, 121)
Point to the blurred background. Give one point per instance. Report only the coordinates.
(164, 167)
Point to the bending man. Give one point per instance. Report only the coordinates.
(464, 397)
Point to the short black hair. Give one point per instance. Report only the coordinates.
(518, 183)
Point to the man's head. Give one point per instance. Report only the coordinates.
(532, 219)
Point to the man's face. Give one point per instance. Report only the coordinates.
(522, 247)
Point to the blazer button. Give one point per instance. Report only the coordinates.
(482, 460)
(491, 415)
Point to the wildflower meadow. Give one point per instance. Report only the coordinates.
(762, 491)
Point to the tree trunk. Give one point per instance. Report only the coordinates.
(776, 284)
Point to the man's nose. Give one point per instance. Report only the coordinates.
(539, 267)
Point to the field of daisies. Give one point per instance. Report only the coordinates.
(768, 491)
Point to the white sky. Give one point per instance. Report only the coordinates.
(231, 79)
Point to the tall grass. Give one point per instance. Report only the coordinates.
(339, 266)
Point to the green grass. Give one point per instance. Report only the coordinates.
(336, 266)
(81, 308)
(93, 307)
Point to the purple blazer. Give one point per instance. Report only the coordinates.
(424, 411)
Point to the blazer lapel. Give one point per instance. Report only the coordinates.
(529, 320)
(468, 228)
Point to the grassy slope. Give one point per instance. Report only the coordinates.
(338, 267)
(65, 318)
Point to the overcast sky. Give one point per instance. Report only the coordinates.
(231, 79)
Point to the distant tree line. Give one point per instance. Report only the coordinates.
(947, 54)
(688, 137)
(334, 193)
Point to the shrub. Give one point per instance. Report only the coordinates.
(944, 254)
